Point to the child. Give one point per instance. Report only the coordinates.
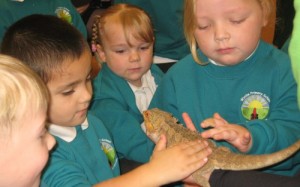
(245, 93)
(124, 39)
(24, 140)
(85, 153)
(167, 17)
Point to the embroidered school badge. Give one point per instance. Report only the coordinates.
(109, 152)
(255, 105)
(64, 14)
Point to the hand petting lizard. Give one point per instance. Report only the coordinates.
(234, 134)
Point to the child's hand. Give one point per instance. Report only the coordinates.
(178, 162)
(236, 135)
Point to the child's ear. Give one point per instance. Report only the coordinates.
(269, 15)
(101, 53)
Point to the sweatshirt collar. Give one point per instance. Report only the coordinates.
(68, 134)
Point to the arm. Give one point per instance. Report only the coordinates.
(166, 166)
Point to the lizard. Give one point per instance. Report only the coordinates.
(159, 122)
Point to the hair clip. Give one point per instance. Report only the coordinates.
(94, 48)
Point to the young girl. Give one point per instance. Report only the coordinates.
(239, 87)
(24, 140)
(123, 38)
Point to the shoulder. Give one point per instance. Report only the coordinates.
(108, 80)
(95, 121)
(156, 73)
(155, 70)
(275, 55)
(184, 66)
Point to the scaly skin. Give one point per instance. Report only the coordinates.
(159, 122)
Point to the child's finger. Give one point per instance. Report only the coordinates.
(218, 117)
(192, 147)
(208, 123)
(188, 121)
(161, 144)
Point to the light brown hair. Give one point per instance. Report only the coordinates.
(134, 21)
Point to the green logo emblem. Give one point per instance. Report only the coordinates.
(64, 14)
(109, 151)
(255, 106)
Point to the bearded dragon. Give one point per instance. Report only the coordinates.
(159, 122)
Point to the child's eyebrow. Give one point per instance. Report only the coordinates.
(72, 84)
(76, 82)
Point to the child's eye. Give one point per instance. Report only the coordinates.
(120, 51)
(237, 21)
(145, 47)
(69, 92)
(203, 27)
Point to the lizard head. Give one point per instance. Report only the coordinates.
(154, 119)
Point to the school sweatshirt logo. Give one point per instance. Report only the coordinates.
(255, 105)
(109, 151)
(64, 14)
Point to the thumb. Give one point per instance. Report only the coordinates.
(246, 139)
(161, 144)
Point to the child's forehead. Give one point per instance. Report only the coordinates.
(209, 8)
(117, 34)
(72, 68)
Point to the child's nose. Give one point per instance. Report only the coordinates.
(221, 34)
(87, 93)
(134, 56)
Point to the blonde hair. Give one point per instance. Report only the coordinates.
(22, 92)
(190, 23)
(134, 21)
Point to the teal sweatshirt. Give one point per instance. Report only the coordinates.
(114, 103)
(259, 94)
(12, 10)
(87, 160)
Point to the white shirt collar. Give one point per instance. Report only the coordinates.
(66, 133)
(147, 82)
(143, 95)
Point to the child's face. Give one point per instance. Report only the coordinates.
(70, 91)
(228, 31)
(25, 153)
(130, 62)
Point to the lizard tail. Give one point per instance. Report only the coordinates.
(233, 161)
